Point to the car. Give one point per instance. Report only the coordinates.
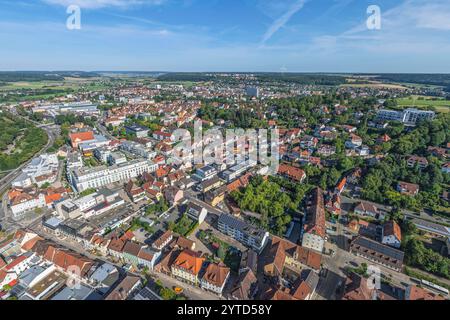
(353, 263)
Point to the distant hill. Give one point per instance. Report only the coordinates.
(420, 78)
(30, 76)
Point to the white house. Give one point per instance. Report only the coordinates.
(392, 234)
(148, 257)
(196, 212)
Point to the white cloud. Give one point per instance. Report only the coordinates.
(97, 4)
(281, 21)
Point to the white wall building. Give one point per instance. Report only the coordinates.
(408, 116)
(26, 204)
(44, 165)
(86, 178)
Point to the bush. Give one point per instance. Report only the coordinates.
(426, 259)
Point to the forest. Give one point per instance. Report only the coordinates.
(19, 141)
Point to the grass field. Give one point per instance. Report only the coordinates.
(352, 82)
(441, 105)
(68, 83)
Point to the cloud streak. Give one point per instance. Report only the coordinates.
(281, 21)
(97, 4)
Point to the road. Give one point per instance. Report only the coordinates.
(336, 264)
(104, 131)
(346, 201)
(5, 182)
(192, 196)
(193, 293)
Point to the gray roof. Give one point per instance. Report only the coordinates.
(80, 292)
(30, 274)
(53, 222)
(103, 272)
(194, 208)
(147, 294)
(240, 225)
(380, 248)
(312, 279)
(432, 227)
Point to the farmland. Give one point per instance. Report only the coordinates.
(423, 102)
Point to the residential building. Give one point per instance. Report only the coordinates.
(314, 230)
(187, 266)
(446, 168)
(205, 173)
(215, 278)
(79, 137)
(130, 253)
(137, 149)
(148, 257)
(368, 209)
(245, 233)
(135, 192)
(245, 286)
(354, 141)
(302, 289)
(214, 197)
(284, 253)
(421, 162)
(410, 189)
(163, 240)
(23, 202)
(87, 178)
(74, 160)
(292, 173)
(125, 289)
(358, 288)
(161, 135)
(377, 252)
(209, 184)
(237, 170)
(392, 234)
(137, 130)
(408, 116)
(196, 212)
(173, 195)
(417, 293)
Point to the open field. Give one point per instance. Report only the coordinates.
(441, 105)
(352, 82)
(420, 85)
(68, 83)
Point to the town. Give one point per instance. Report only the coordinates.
(98, 204)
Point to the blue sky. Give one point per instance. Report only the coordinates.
(226, 35)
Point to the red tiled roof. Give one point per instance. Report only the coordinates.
(315, 216)
(392, 228)
(81, 136)
(417, 293)
(189, 261)
(292, 172)
(216, 274)
(15, 262)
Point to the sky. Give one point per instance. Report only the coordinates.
(226, 35)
